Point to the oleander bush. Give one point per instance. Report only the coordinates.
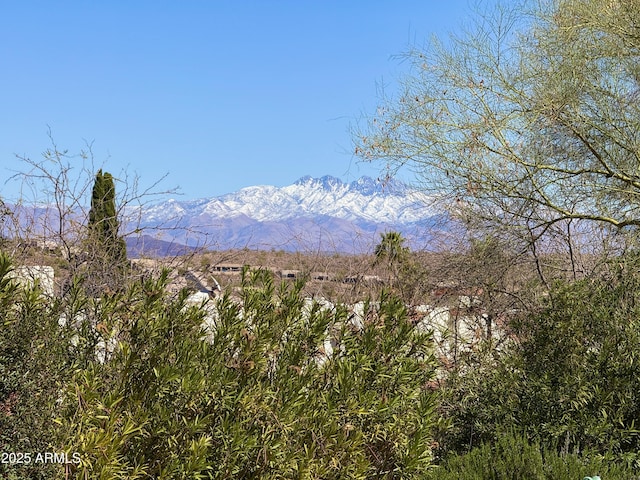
(258, 398)
(34, 368)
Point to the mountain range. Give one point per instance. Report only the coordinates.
(313, 214)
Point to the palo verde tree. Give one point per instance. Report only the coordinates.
(529, 126)
(529, 122)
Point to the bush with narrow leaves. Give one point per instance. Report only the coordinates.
(35, 366)
(253, 400)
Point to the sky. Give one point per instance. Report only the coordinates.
(215, 94)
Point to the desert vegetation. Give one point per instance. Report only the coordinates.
(510, 352)
(275, 377)
(526, 128)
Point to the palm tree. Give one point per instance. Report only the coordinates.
(392, 252)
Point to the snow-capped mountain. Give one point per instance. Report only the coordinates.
(319, 214)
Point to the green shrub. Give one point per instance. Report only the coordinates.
(579, 358)
(512, 457)
(253, 400)
(568, 378)
(34, 366)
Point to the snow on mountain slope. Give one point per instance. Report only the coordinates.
(360, 200)
(313, 213)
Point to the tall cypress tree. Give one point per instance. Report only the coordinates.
(103, 221)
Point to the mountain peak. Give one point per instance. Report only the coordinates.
(363, 185)
(327, 182)
(325, 209)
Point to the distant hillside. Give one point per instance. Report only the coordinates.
(313, 214)
(148, 246)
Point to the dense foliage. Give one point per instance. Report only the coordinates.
(529, 128)
(567, 379)
(33, 368)
(101, 261)
(512, 456)
(153, 388)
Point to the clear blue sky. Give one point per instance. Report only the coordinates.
(218, 94)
